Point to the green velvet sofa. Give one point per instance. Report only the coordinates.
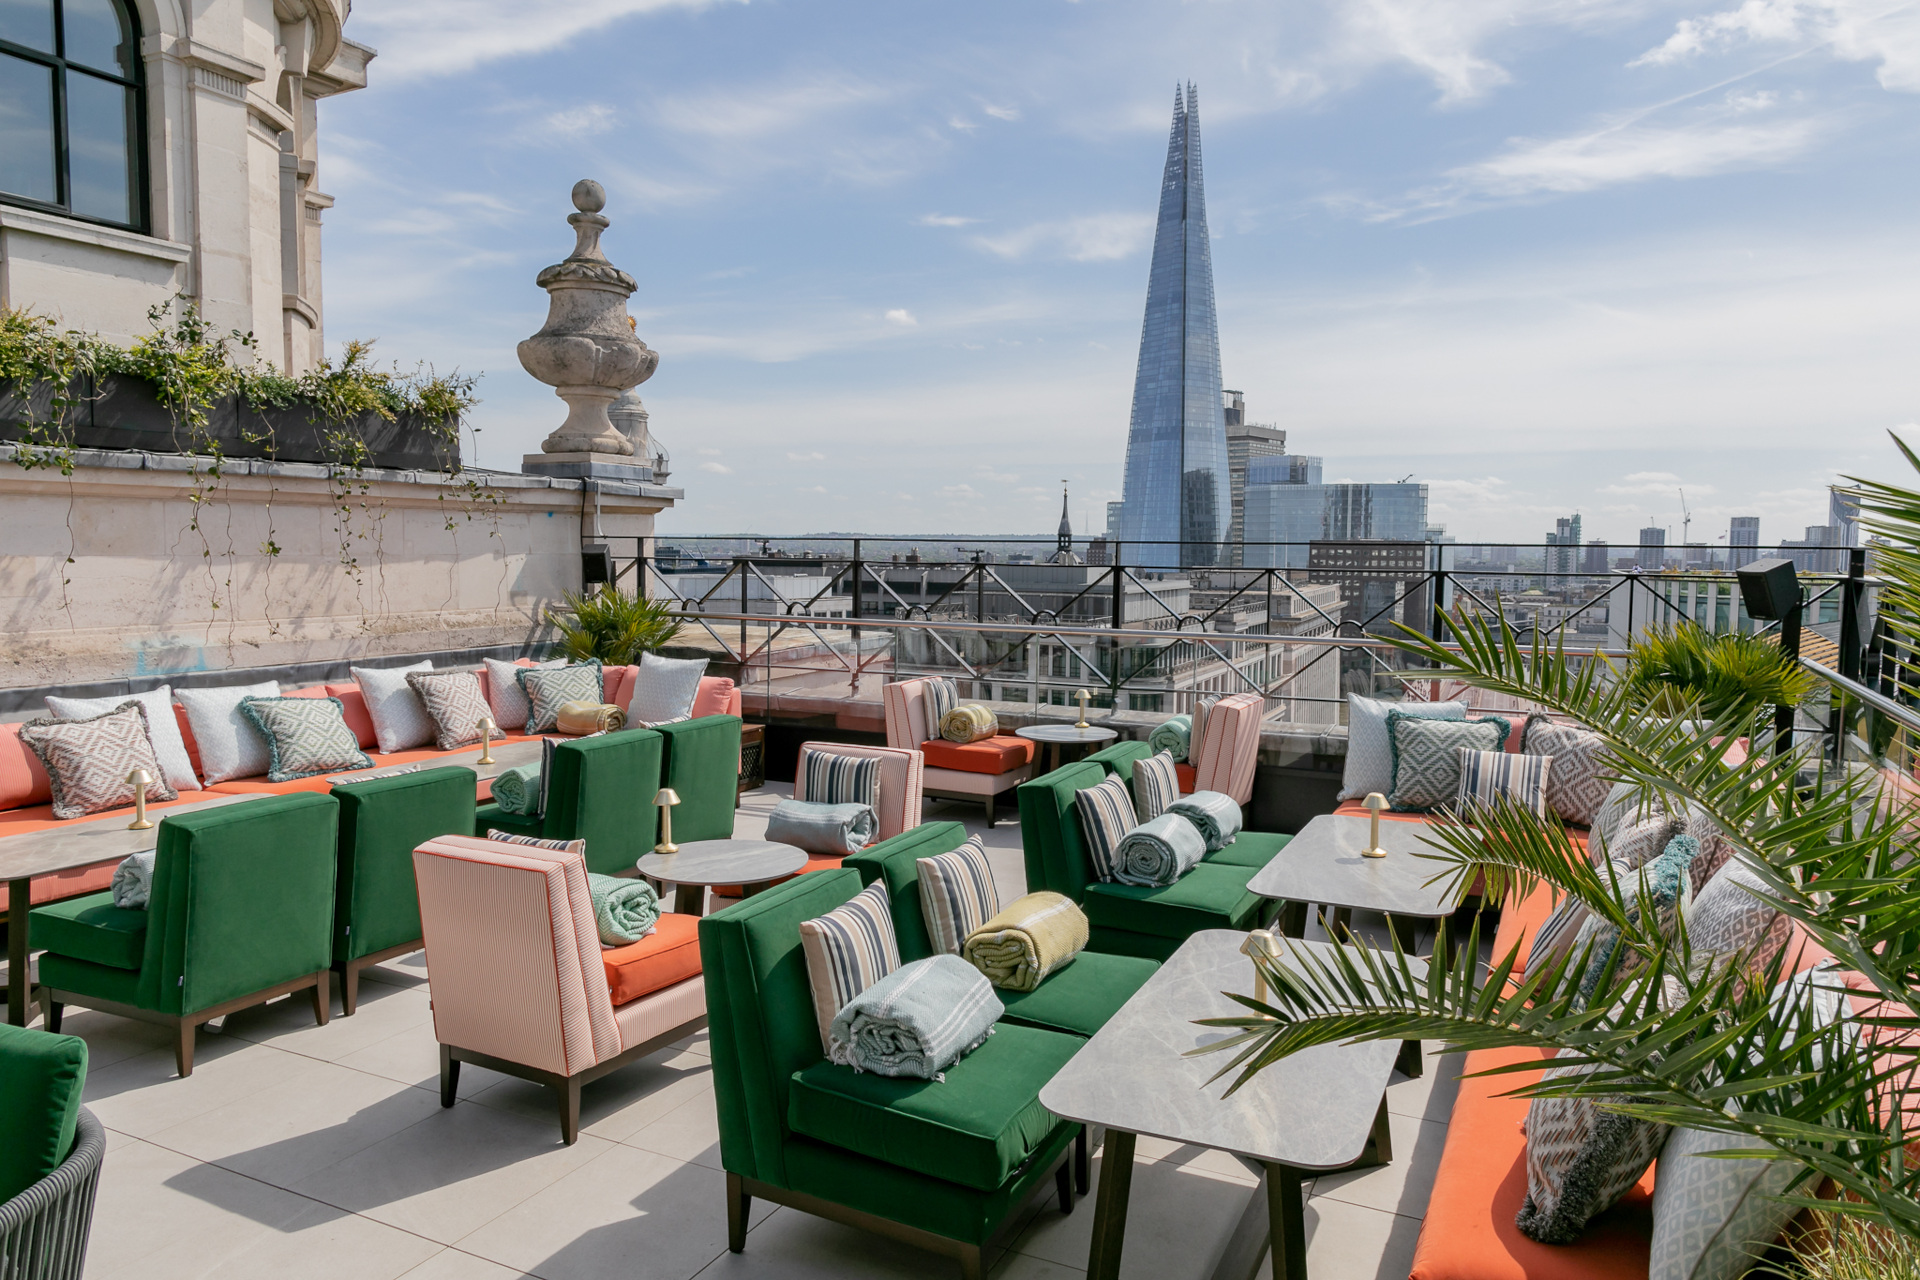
(602, 792)
(241, 912)
(701, 762)
(1136, 920)
(50, 1153)
(939, 1165)
(376, 914)
(1077, 999)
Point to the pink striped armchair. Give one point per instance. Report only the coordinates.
(988, 769)
(1231, 747)
(514, 967)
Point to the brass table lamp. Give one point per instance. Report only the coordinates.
(1375, 802)
(1085, 698)
(487, 729)
(666, 799)
(141, 780)
(1260, 944)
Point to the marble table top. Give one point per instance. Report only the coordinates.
(1323, 864)
(1313, 1110)
(723, 862)
(82, 842)
(1065, 733)
(506, 755)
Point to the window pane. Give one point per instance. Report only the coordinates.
(99, 129)
(28, 22)
(26, 129)
(98, 35)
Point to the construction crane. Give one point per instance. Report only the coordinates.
(1686, 523)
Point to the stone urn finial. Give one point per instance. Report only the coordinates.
(588, 351)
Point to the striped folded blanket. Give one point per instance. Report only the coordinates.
(1214, 813)
(832, 829)
(517, 790)
(1029, 939)
(623, 910)
(1159, 852)
(917, 1021)
(1171, 736)
(971, 723)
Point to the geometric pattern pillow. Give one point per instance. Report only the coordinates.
(1580, 1160)
(1715, 848)
(1555, 936)
(1728, 916)
(1578, 785)
(1637, 843)
(508, 699)
(400, 723)
(848, 950)
(1486, 776)
(305, 736)
(88, 760)
(230, 745)
(1155, 786)
(957, 895)
(664, 689)
(454, 702)
(549, 688)
(162, 724)
(836, 779)
(1625, 803)
(1106, 815)
(1663, 884)
(1712, 1219)
(940, 695)
(1369, 764)
(1426, 757)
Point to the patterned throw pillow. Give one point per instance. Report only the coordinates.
(504, 694)
(1426, 757)
(1662, 883)
(836, 779)
(454, 703)
(162, 726)
(305, 736)
(1369, 750)
(848, 950)
(939, 695)
(1626, 803)
(1554, 938)
(1577, 785)
(1640, 842)
(564, 846)
(664, 690)
(1728, 917)
(1106, 815)
(230, 744)
(1486, 776)
(1580, 1160)
(1155, 786)
(1715, 848)
(550, 688)
(88, 760)
(957, 894)
(400, 722)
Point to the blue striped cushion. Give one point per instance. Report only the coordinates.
(1106, 815)
(957, 894)
(1485, 776)
(1155, 786)
(838, 779)
(941, 696)
(848, 950)
(565, 846)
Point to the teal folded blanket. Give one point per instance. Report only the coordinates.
(1215, 813)
(133, 880)
(1158, 852)
(832, 829)
(1171, 736)
(917, 1021)
(518, 790)
(623, 910)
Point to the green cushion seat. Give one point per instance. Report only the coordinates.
(1249, 849)
(490, 817)
(41, 1078)
(1081, 997)
(92, 928)
(1119, 757)
(1207, 897)
(974, 1128)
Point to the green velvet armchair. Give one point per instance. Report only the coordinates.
(940, 1166)
(702, 764)
(376, 913)
(602, 792)
(241, 912)
(50, 1153)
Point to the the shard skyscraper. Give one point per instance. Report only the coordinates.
(1175, 507)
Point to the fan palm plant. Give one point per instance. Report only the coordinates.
(614, 628)
(1688, 667)
(1665, 1037)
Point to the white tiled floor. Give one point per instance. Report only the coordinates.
(296, 1151)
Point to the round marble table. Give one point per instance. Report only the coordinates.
(702, 863)
(1056, 737)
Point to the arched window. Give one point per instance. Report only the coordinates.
(72, 136)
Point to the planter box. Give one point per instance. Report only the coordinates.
(124, 413)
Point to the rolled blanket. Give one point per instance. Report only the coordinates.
(624, 910)
(1171, 737)
(133, 880)
(1215, 813)
(517, 790)
(971, 723)
(1159, 852)
(832, 829)
(1029, 939)
(917, 1021)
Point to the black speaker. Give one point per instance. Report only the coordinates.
(596, 563)
(1769, 588)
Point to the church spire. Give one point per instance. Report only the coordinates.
(1064, 542)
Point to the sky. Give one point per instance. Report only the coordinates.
(1544, 256)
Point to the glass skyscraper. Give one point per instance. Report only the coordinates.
(1176, 503)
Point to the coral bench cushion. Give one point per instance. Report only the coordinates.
(997, 755)
(670, 954)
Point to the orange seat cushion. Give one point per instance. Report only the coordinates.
(815, 862)
(1188, 776)
(1482, 1180)
(670, 954)
(353, 709)
(1002, 754)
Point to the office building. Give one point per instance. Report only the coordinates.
(1563, 546)
(1596, 561)
(1287, 507)
(1653, 548)
(1381, 582)
(1246, 443)
(1176, 499)
(1743, 540)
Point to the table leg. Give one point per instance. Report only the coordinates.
(1405, 931)
(1341, 926)
(19, 902)
(1287, 1223)
(689, 899)
(1293, 919)
(1411, 1063)
(1379, 1148)
(1110, 1206)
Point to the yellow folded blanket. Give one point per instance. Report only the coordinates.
(1029, 939)
(971, 723)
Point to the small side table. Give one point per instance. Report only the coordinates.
(753, 760)
(1057, 737)
(702, 863)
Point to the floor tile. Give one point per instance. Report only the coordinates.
(142, 1095)
(791, 1245)
(111, 1038)
(1401, 1187)
(1430, 1096)
(1347, 1242)
(452, 1264)
(1206, 1160)
(382, 1012)
(618, 1105)
(1021, 1266)
(691, 1131)
(325, 1243)
(413, 1057)
(1178, 1219)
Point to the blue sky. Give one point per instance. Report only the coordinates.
(1543, 255)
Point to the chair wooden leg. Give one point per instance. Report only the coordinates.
(183, 1048)
(449, 1075)
(990, 809)
(50, 1010)
(738, 1203)
(569, 1109)
(349, 988)
(323, 997)
(1063, 1185)
(970, 1263)
(1082, 1165)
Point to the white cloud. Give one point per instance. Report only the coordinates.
(709, 453)
(1758, 100)
(435, 37)
(902, 317)
(1100, 237)
(1657, 482)
(716, 468)
(582, 120)
(960, 492)
(1854, 30)
(763, 111)
(961, 123)
(1000, 113)
(806, 457)
(812, 488)
(945, 220)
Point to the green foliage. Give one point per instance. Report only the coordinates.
(612, 627)
(1846, 1249)
(1685, 670)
